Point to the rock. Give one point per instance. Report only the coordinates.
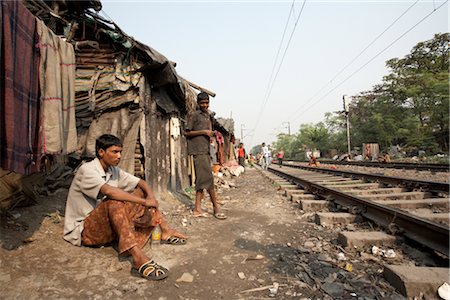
(186, 277)
(444, 291)
(324, 257)
(308, 245)
(213, 271)
(341, 257)
(241, 275)
(274, 290)
(5, 278)
(334, 289)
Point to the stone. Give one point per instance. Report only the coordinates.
(186, 277)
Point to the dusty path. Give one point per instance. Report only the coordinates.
(297, 254)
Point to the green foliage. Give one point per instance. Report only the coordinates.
(409, 108)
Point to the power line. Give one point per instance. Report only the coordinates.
(360, 68)
(356, 57)
(271, 85)
(274, 64)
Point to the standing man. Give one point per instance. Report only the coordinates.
(265, 156)
(198, 133)
(107, 204)
(280, 155)
(241, 155)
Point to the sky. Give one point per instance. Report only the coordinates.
(275, 65)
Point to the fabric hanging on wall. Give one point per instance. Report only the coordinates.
(118, 123)
(19, 92)
(57, 84)
(129, 146)
(220, 150)
(175, 127)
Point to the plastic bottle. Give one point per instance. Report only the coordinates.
(156, 235)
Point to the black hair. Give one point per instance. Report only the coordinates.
(202, 96)
(105, 141)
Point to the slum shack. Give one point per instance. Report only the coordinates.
(89, 78)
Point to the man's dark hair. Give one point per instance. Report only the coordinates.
(202, 96)
(105, 141)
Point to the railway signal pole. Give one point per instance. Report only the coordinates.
(288, 127)
(346, 101)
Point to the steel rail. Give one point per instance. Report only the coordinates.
(391, 165)
(410, 183)
(432, 235)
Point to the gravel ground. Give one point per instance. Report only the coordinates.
(265, 242)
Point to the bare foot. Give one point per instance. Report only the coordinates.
(172, 232)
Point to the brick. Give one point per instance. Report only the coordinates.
(410, 281)
(375, 191)
(443, 203)
(365, 238)
(334, 218)
(435, 217)
(289, 193)
(360, 185)
(399, 196)
(313, 205)
(303, 197)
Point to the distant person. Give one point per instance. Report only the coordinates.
(198, 133)
(313, 162)
(367, 151)
(264, 156)
(241, 155)
(280, 155)
(251, 160)
(269, 156)
(106, 204)
(384, 158)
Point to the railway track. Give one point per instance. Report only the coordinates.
(417, 209)
(392, 165)
(407, 210)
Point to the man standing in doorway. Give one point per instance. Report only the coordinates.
(198, 133)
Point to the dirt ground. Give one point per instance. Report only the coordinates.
(296, 254)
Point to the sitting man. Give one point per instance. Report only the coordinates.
(107, 204)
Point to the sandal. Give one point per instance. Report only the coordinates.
(200, 215)
(220, 216)
(173, 240)
(152, 271)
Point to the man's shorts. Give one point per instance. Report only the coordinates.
(203, 172)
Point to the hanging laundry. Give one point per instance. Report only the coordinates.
(19, 103)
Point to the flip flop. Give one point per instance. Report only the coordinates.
(152, 271)
(202, 215)
(220, 216)
(173, 240)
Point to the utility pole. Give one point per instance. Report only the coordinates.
(242, 132)
(346, 111)
(288, 127)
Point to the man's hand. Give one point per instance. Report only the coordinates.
(151, 203)
(209, 133)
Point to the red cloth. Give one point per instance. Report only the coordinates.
(19, 93)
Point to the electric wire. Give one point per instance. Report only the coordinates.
(266, 93)
(355, 58)
(279, 66)
(379, 53)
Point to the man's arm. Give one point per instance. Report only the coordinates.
(146, 189)
(195, 133)
(120, 195)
